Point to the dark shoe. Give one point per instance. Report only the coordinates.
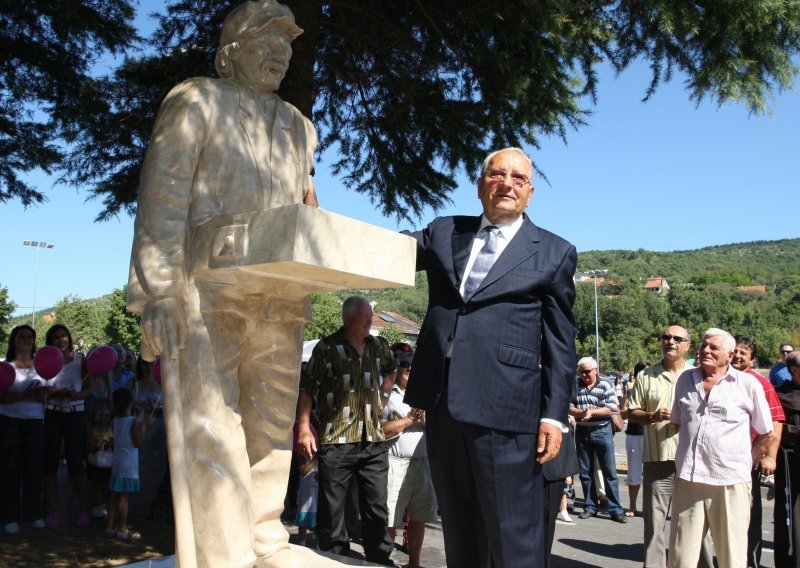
(587, 514)
(619, 518)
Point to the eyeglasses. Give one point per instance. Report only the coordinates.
(585, 371)
(518, 181)
(785, 352)
(675, 338)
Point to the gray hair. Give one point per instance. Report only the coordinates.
(587, 361)
(513, 149)
(351, 303)
(728, 342)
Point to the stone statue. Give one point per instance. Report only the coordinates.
(230, 348)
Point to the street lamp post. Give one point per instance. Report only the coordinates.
(38, 245)
(595, 274)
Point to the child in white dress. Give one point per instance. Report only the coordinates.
(128, 434)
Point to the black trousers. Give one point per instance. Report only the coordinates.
(754, 530)
(552, 500)
(787, 506)
(368, 464)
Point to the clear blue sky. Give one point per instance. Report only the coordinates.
(663, 175)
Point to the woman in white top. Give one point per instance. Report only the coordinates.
(21, 436)
(65, 424)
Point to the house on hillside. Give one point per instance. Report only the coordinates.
(409, 327)
(755, 289)
(657, 285)
(582, 277)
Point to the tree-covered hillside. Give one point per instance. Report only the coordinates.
(758, 262)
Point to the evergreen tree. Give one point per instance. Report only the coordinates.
(408, 93)
(47, 49)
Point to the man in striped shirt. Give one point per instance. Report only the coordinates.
(715, 408)
(592, 408)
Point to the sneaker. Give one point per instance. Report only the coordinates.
(564, 516)
(11, 528)
(52, 521)
(38, 524)
(84, 520)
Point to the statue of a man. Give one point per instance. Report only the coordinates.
(221, 147)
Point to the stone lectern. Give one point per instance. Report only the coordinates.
(225, 254)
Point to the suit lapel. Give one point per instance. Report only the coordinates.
(252, 120)
(463, 235)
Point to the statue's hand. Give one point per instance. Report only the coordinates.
(163, 328)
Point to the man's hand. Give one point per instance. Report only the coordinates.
(162, 324)
(661, 414)
(766, 465)
(306, 440)
(549, 442)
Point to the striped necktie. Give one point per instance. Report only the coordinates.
(483, 262)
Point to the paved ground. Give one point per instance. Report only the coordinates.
(584, 544)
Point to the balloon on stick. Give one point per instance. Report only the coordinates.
(7, 375)
(101, 360)
(48, 362)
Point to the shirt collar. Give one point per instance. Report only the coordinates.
(507, 229)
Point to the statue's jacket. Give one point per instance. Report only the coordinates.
(217, 148)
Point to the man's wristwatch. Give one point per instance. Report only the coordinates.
(385, 394)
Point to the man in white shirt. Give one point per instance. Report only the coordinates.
(715, 407)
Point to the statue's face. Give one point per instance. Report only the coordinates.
(261, 61)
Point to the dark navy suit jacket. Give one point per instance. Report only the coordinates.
(513, 343)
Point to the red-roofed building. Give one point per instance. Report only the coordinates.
(657, 285)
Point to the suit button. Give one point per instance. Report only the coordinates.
(449, 338)
(462, 311)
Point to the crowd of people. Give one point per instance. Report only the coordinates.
(702, 437)
(94, 424)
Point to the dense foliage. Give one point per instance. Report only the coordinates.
(46, 54)
(96, 321)
(405, 93)
(6, 309)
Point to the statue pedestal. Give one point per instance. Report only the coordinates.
(313, 558)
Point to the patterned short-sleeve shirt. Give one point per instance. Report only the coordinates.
(346, 387)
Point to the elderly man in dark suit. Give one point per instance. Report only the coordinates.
(494, 366)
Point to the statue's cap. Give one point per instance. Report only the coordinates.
(250, 18)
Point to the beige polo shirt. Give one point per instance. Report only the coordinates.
(655, 389)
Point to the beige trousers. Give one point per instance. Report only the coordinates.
(698, 507)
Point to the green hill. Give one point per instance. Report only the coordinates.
(742, 264)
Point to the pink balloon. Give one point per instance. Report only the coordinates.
(7, 375)
(156, 370)
(101, 360)
(48, 362)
